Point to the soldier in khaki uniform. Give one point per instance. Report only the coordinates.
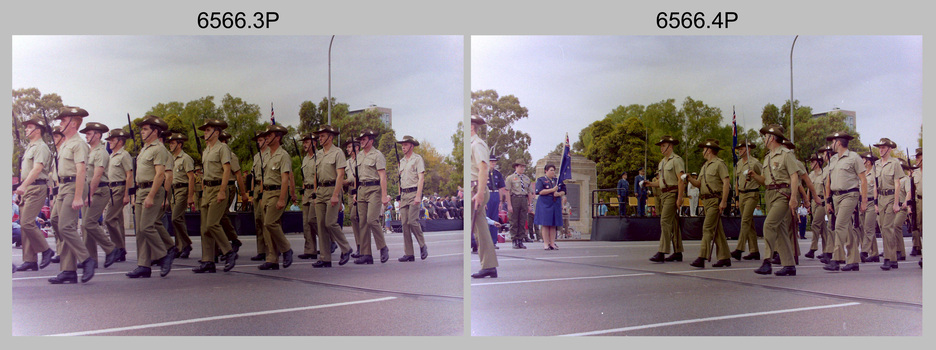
(780, 175)
(353, 147)
(262, 156)
(183, 192)
(806, 189)
(330, 166)
(120, 174)
(216, 160)
(902, 195)
(846, 176)
(72, 160)
(480, 164)
(150, 196)
(37, 160)
(887, 173)
(869, 248)
(916, 206)
(820, 227)
(97, 185)
(309, 224)
(166, 205)
(277, 172)
(371, 197)
(714, 183)
(748, 195)
(670, 181)
(58, 138)
(520, 189)
(236, 186)
(829, 251)
(412, 174)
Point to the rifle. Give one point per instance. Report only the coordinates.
(197, 141)
(912, 201)
(134, 160)
(399, 175)
(301, 173)
(53, 149)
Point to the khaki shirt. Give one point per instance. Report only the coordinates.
(918, 181)
(308, 169)
(844, 170)
(235, 162)
(370, 163)
(150, 156)
(872, 187)
(479, 154)
(888, 173)
(351, 170)
(213, 160)
(36, 152)
(181, 166)
(751, 165)
(779, 165)
(818, 179)
(278, 164)
(410, 168)
(74, 151)
(98, 157)
(326, 168)
(259, 160)
(712, 175)
(670, 169)
(904, 188)
(519, 184)
(120, 163)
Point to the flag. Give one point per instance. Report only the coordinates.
(734, 135)
(272, 120)
(565, 166)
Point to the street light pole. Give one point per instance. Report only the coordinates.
(791, 87)
(329, 77)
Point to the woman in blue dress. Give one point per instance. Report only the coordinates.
(548, 207)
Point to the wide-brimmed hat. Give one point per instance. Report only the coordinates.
(749, 144)
(57, 130)
(37, 121)
(667, 139)
(70, 111)
(869, 156)
(839, 135)
(277, 128)
(519, 162)
(410, 139)
(886, 142)
(165, 134)
(117, 133)
(176, 136)
(773, 129)
(258, 134)
(710, 143)
(919, 152)
(308, 136)
(477, 120)
(905, 164)
(789, 144)
(224, 136)
(327, 128)
(215, 123)
(367, 132)
(814, 158)
(95, 126)
(153, 121)
(826, 149)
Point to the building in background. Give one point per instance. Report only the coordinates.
(386, 114)
(850, 117)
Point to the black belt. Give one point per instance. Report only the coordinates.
(116, 183)
(711, 195)
(257, 183)
(920, 196)
(777, 186)
(519, 195)
(103, 184)
(142, 185)
(839, 193)
(353, 192)
(370, 183)
(54, 191)
(330, 183)
(212, 183)
(886, 192)
(308, 186)
(271, 187)
(474, 183)
(38, 182)
(408, 190)
(670, 189)
(67, 179)
(180, 185)
(749, 191)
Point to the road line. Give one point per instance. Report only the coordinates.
(707, 319)
(561, 279)
(215, 318)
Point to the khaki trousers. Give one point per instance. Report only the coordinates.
(114, 218)
(869, 234)
(309, 229)
(409, 217)
(33, 240)
(820, 229)
(355, 224)
(180, 202)
(670, 234)
(518, 217)
(900, 218)
(748, 235)
(73, 249)
(712, 229)
(888, 227)
(211, 232)
(93, 231)
(229, 231)
(54, 221)
(329, 231)
(479, 228)
(150, 246)
(777, 227)
(258, 222)
(846, 236)
(272, 229)
(917, 234)
(370, 208)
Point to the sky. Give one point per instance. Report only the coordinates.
(421, 78)
(568, 82)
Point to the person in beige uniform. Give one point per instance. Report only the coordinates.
(748, 194)
(916, 206)
(120, 174)
(329, 174)
(520, 188)
(806, 189)
(869, 248)
(779, 174)
(277, 171)
(216, 160)
(150, 196)
(714, 183)
(820, 227)
(58, 138)
(902, 196)
(371, 197)
(99, 192)
(670, 182)
(309, 224)
(183, 192)
(236, 186)
(353, 147)
(846, 176)
(37, 160)
(262, 156)
(887, 173)
(480, 164)
(72, 161)
(412, 174)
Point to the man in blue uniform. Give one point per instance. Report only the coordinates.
(498, 189)
(623, 187)
(640, 192)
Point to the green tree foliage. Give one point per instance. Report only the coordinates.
(500, 112)
(311, 116)
(457, 158)
(29, 103)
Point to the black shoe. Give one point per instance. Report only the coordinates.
(230, 260)
(307, 256)
(722, 263)
(287, 258)
(364, 259)
(184, 254)
(850, 267)
(356, 254)
(236, 244)
(87, 272)
(764, 268)
(46, 258)
(26, 266)
(810, 254)
(658, 257)
(474, 250)
(268, 266)
(384, 254)
(343, 259)
(56, 259)
(65, 277)
(496, 247)
(916, 251)
(864, 256)
(205, 267)
(901, 256)
(491, 272)
(166, 265)
(123, 255)
(894, 265)
(140, 271)
(173, 251)
(831, 266)
(775, 259)
(752, 256)
(515, 246)
(674, 257)
(424, 252)
(786, 271)
(406, 258)
(825, 258)
(737, 254)
(258, 257)
(111, 258)
(320, 264)
(699, 262)
(334, 246)
(876, 258)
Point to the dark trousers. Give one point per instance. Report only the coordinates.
(622, 205)
(492, 212)
(641, 205)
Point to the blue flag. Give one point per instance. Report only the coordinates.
(565, 167)
(734, 135)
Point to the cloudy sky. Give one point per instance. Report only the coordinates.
(568, 82)
(421, 78)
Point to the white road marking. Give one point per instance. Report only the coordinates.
(560, 279)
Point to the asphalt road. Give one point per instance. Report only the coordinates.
(425, 297)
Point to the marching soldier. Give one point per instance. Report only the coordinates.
(887, 173)
(58, 138)
(521, 193)
(99, 193)
(371, 197)
(183, 192)
(670, 181)
(479, 177)
(902, 196)
(831, 251)
(714, 184)
(276, 179)
(309, 224)
(262, 156)
(820, 227)
(748, 195)
(780, 175)
(353, 148)
(216, 159)
(120, 174)
(199, 177)
(329, 173)
(917, 205)
(37, 160)
(150, 195)
(236, 186)
(166, 206)
(72, 161)
(805, 189)
(846, 176)
(869, 249)
(412, 175)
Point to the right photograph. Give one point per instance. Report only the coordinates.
(696, 185)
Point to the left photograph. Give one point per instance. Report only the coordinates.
(238, 185)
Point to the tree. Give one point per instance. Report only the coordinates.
(500, 112)
(457, 158)
(311, 116)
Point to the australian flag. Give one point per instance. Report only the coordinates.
(734, 135)
(272, 120)
(565, 166)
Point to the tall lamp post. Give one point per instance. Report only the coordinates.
(329, 77)
(791, 87)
